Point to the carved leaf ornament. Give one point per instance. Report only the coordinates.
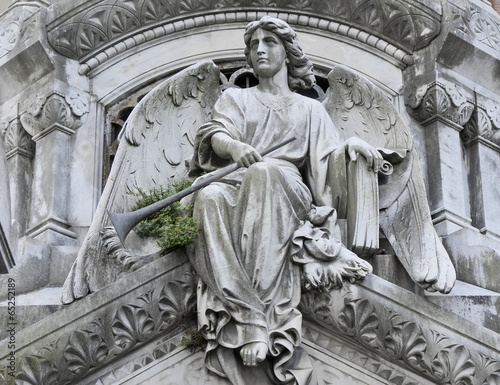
(115, 334)
(394, 337)
(92, 29)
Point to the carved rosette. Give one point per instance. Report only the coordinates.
(106, 28)
(478, 26)
(398, 339)
(114, 334)
(19, 27)
(442, 100)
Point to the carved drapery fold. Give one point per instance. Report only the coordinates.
(106, 28)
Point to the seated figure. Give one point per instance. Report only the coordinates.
(250, 286)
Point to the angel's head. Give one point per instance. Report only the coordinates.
(299, 67)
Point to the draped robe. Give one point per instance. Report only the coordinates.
(249, 287)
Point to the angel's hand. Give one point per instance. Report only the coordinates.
(355, 146)
(243, 154)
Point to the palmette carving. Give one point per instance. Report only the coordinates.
(113, 335)
(398, 339)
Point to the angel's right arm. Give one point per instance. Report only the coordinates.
(228, 148)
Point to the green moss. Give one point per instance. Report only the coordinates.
(194, 342)
(170, 225)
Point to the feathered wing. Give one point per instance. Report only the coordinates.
(155, 144)
(358, 108)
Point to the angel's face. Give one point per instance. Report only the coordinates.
(267, 53)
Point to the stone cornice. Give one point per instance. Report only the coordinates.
(94, 32)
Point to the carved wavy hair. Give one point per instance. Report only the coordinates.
(300, 75)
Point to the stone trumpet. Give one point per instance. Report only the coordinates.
(125, 222)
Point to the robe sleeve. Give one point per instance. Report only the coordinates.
(227, 117)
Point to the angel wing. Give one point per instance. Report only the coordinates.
(358, 108)
(155, 144)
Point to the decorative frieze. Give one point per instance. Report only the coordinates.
(401, 339)
(20, 26)
(113, 333)
(475, 24)
(105, 28)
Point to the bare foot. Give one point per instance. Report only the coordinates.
(446, 273)
(253, 353)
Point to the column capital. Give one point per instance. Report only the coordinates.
(63, 111)
(484, 125)
(17, 140)
(441, 100)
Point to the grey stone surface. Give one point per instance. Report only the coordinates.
(436, 60)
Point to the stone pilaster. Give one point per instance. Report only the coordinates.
(443, 110)
(20, 150)
(52, 122)
(481, 136)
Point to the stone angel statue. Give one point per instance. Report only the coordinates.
(271, 228)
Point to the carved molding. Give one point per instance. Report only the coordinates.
(442, 100)
(55, 111)
(397, 338)
(103, 29)
(118, 331)
(18, 141)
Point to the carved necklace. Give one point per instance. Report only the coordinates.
(274, 102)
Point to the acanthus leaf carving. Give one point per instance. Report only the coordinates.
(85, 349)
(453, 365)
(360, 320)
(37, 370)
